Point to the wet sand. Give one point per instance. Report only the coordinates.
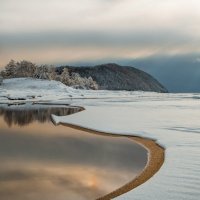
(155, 160)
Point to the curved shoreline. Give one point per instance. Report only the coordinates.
(156, 155)
(155, 159)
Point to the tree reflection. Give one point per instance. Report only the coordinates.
(23, 115)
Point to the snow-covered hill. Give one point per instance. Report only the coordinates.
(37, 89)
(29, 89)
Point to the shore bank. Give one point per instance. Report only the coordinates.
(156, 155)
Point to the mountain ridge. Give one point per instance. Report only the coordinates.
(112, 76)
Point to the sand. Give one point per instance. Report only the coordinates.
(155, 160)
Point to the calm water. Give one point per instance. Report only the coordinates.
(47, 162)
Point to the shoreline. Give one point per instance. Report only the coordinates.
(156, 155)
(155, 158)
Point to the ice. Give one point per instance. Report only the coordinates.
(173, 120)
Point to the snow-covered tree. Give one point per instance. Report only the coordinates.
(65, 77)
(28, 69)
(19, 69)
(45, 72)
(25, 69)
(10, 69)
(76, 81)
(91, 84)
(52, 73)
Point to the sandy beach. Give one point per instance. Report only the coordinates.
(156, 159)
(156, 155)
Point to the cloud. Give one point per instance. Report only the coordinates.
(56, 47)
(67, 31)
(27, 15)
(178, 73)
(197, 60)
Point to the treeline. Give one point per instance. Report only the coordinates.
(28, 69)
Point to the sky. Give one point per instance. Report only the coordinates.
(99, 31)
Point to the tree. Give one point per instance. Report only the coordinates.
(25, 69)
(45, 72)
(91, 84)
(28, 69)
(51, 74)
(19, 69)
(65, 77)
(10, 69)
(76, 81)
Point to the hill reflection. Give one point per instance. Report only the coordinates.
(23, 115)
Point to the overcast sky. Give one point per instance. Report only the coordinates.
(60, 31)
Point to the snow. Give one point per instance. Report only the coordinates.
(37, 89)
(174, 123)
(171, 119)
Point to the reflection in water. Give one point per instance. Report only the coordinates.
(22, 116)
(41, 161)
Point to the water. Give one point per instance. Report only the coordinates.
(43, 161)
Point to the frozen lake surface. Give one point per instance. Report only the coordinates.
(173, 120)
